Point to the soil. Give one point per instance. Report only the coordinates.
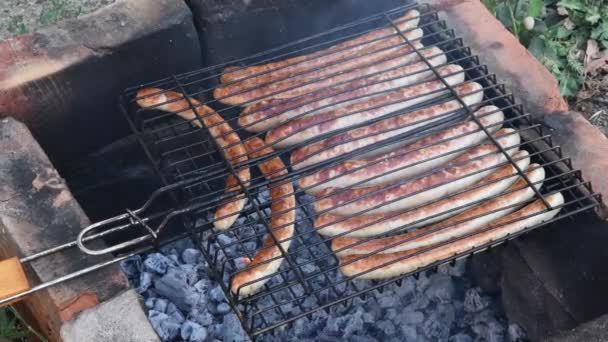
(592, 100)
(22, 16)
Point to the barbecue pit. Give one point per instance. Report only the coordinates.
(193, 169)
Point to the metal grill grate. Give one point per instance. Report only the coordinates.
(194, 166)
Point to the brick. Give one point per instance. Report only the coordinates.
(586, 145)
(64, 81)
(37, 211)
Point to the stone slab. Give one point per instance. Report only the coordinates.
(585, 144)
(38, 211)
(64, 80)
(593, 331)
(119, 319)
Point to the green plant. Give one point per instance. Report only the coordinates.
(16, 25)
(13, 327)
(9, 326)
(560, 33)
(55, 11)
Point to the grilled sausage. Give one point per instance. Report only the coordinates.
(423, 155)
(381, 266)
(463, 223)
(269, 258)
(229, 141)
(266, 114)
(376, 224)
(352, 47)
(323, 122)
(293, 84)
(464, 171)
(382, 130)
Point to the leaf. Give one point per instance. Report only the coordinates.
(537, 47)
(535, 8)
(569, 85)
(572, 4)
(521, 9)
(562, 32)
(504, 14)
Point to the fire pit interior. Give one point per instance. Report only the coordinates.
(325, 233)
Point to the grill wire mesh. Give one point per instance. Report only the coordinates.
(194, 167)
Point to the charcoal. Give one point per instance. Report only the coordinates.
(301, 327)
(516, 333)
(224, 239)
(354, 325)
(131, 266)
(435, 328)
(389, 314)
(386, 302)
(419, 302)
(233, 331)
(193, 332)
(158, 263)
(496, 332)
(368, 318)
(440, 289)
(190, 272)
(174, 286)
(309, 268)
(145, 281)
(161, 305)
(445, 314)
(411, 317)
(409, 333)
(203, 286)
(250, 246)
(333, 327)
(458, 269)
(191, 256)
(174, 258)
(423, 281)
(175, 313)
(407, 290)
(217, 294)
(149, 303)
(473, 302)
(201, 315)
(165, 327)
(387, 327)
(223, 308)
(357, 338)
(460, 338)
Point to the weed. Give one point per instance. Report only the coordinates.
(9, 326)
(559, 35)
(16, 25)
(57, 10)
(14, 328)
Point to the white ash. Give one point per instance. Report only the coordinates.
(185, 304)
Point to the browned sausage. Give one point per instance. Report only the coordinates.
(171, 101)
(269, 258)
(380, 266)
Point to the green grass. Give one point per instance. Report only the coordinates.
(16, 25)
(57, 10)
(14, 328)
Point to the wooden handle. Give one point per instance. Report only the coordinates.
(12, 278)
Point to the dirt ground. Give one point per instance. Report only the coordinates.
(592, 100)
(21, 16)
